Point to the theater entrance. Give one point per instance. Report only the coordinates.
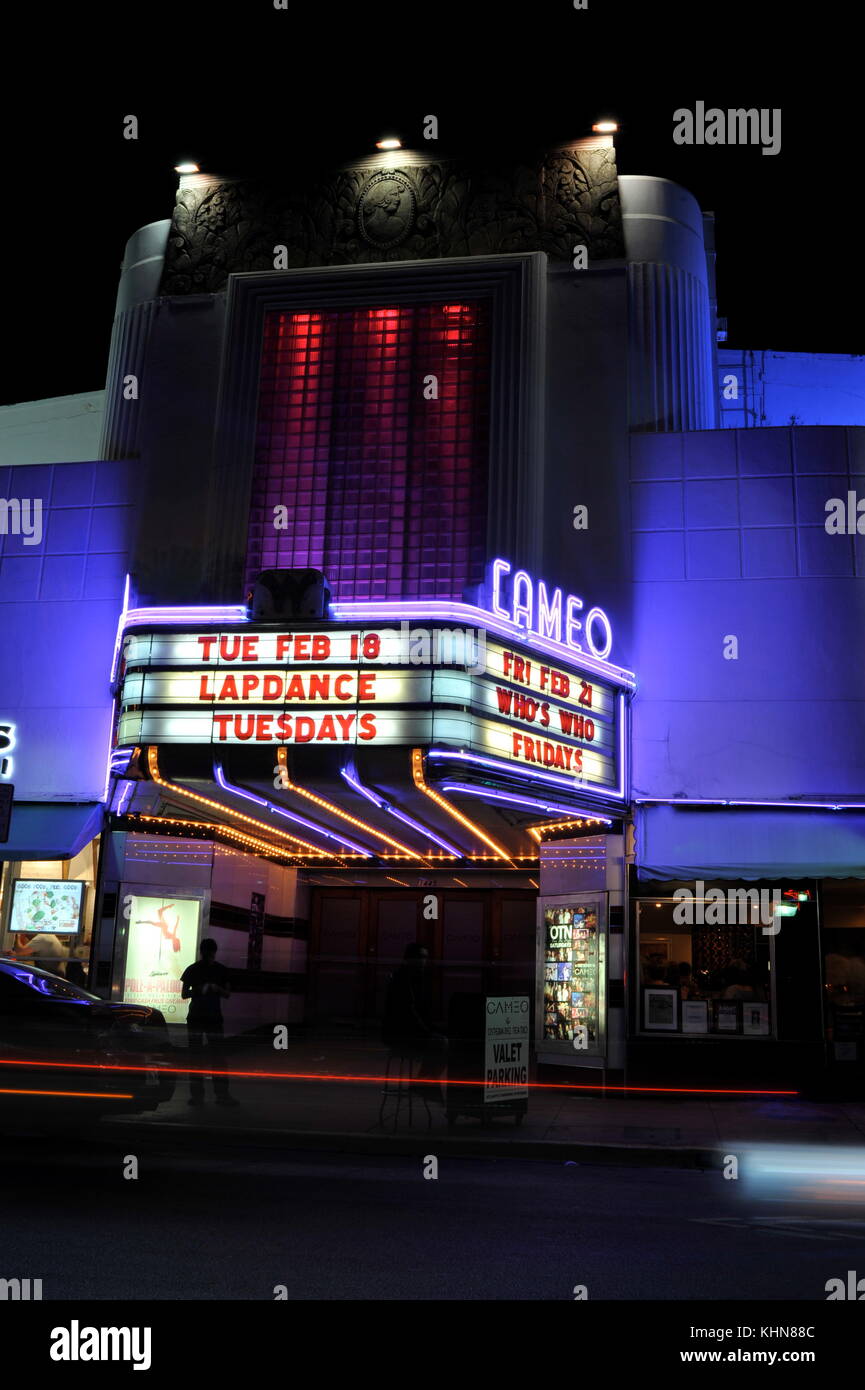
(481, 940)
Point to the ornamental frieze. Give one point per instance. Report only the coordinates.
(410, 212)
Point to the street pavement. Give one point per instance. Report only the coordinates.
(236, 1224)
(326, 1093)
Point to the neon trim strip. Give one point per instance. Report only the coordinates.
(121, 625)
(338, 811)
(465, 789)
(271, 806)
(781, 805)
(172, 617)
(350, 775)
(472, 616)
(384, 612)
(153, 766)
(420, 783)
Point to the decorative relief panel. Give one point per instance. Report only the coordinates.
(414, 212)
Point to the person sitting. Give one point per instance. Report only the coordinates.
(654, 973)
(683, 981)
(739, 985)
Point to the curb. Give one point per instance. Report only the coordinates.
(420, 1142)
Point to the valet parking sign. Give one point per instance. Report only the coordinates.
(506, 1048)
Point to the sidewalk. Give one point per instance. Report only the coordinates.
(322, 1101)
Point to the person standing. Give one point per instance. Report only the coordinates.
(408, 1025)
(206, 984)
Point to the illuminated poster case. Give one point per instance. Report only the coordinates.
(572, 976)
(158, 936)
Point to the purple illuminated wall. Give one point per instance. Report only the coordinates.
(60, 600)
(385, 489)
(748, 616)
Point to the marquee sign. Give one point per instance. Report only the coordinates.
(345, 685)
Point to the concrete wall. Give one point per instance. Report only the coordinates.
(60, 427)
(587, 443)
(729, 540)
(672, 312)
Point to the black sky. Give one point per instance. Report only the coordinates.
(246, 87)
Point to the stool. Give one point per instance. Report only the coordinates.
(399, 1087)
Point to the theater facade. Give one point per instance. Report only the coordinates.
(421, 597)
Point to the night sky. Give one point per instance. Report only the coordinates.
(267, 90)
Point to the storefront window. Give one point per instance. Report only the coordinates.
(46, 913)
(704, 966)
(843, 931)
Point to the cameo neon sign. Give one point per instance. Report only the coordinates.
(7, 743)
(515, 597)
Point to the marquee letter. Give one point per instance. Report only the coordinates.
(500, 569)
(522, 599)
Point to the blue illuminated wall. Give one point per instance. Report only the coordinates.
(59, 605)
(763, 388)
(729, 541)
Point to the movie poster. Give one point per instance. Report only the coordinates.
(571, 972)
(162, 942)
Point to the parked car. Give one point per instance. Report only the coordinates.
(64, 1051)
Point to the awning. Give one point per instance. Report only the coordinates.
(676, 842)
(51, 830)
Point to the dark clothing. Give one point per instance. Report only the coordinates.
(407, 1015)
(206, 1048)
(408, 1025)
(205, 1008)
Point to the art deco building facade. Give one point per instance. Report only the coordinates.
(426, 398)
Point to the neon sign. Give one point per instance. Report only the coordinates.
(516, 598)
(7, 743)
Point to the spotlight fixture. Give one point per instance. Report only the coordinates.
(187, 168)
(390, 142)
(605, 127)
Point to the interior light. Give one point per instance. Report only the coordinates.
(389, 143)
(605, 127)
(188, 168)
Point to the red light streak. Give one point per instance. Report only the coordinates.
(69, 1095)
(416, 1081)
